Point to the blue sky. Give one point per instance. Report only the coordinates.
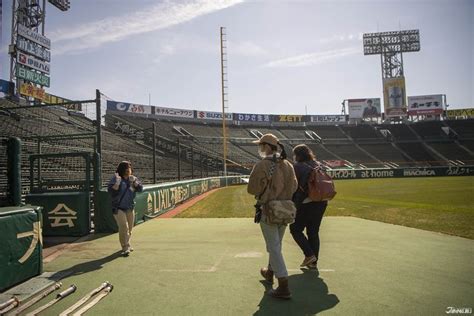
(283, 55)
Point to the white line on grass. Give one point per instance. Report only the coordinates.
(211, 269)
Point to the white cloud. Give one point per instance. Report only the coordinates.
(112, 29)
(313, 58)
(341, 38)
(246, 48)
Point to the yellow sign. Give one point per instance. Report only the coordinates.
(460, 112)
(34, 92)
(39, 94)
(394, 95)
(290, 118)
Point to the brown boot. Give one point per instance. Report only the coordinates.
(282, 291)
(267, 274)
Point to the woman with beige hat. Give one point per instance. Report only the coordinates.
(273, 178)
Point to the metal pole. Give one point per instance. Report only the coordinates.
(154, 153)
(200, 162)
(224, 136)
(44, 17)
(192, 162)
(99, 129)
(14, 18)
(179, 161)
(39, 161)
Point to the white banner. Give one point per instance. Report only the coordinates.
(33, 36)
(328, 118)
(364, 108)
(426, 104)
(33, 49)
(128, 107)
(203, 115)
(32, 62)
(174, 112)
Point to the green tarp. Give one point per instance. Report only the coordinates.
(20, 244)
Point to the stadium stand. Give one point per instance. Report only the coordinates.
(128, 137)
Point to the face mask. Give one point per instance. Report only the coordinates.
(262, 154)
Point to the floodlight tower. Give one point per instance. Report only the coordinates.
(224, 94)
(28, 13)
(27, 37)
(391, 46)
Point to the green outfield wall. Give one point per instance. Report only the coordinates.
(157, 199)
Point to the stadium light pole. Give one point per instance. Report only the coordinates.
(224, 100)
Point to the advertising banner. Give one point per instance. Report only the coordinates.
(203, 115)
(328, 118)
(394, 94)
(39, 94)
(460, 113)
(291, 118)
(244, 117)
(364, 108)
(32, 62)
(401, 173)
(6, 87)
(34, 92)
(33, 36)
(30, 75)
(160, 111)
(128, 107)
(426, 105)
(33, 49)
(158, 199)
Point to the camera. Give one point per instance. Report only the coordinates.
(258, 213)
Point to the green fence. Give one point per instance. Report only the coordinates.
(20, 244)
(157, 199)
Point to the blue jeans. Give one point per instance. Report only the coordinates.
(273, 235)
(309, 216)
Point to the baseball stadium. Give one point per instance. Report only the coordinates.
(397, 238)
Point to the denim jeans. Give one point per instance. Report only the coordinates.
(273, 235)
(309, 216)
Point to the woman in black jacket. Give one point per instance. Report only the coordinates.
(309, 214)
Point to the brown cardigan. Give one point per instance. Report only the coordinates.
(283, 182)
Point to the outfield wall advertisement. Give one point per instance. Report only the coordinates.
(402, 173)
(158, 199)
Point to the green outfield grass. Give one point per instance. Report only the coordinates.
(441, 204)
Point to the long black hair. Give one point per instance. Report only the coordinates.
(303, 153)
(122, 167)
(274, 148)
